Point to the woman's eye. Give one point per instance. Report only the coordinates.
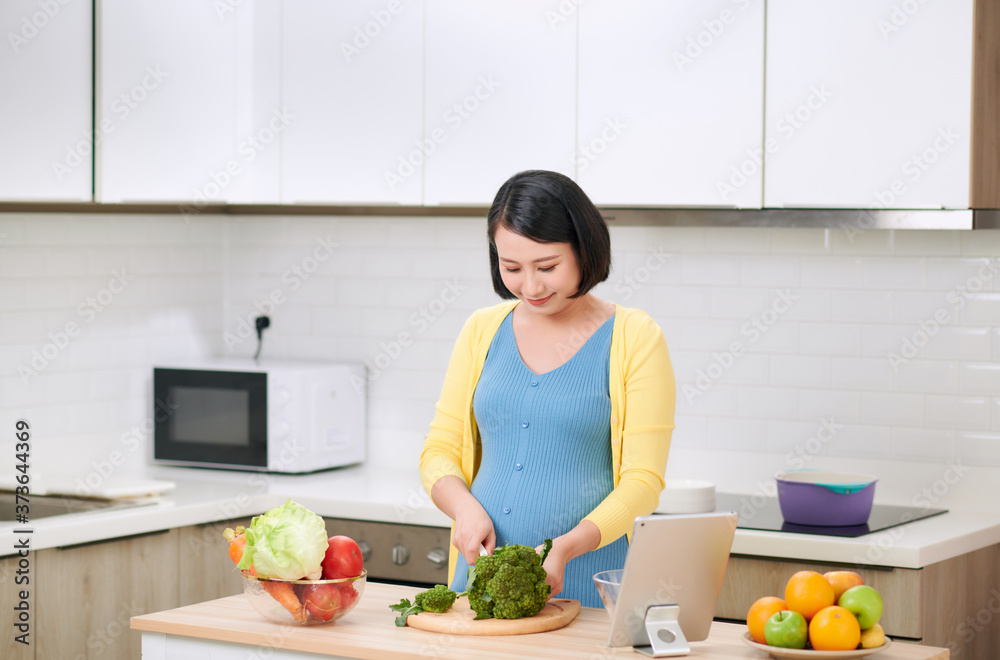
(511, 270)
(547, 269)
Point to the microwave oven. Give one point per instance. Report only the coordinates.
(288, 417)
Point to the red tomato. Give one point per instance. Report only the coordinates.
(348, 594)
(343, 558)
(322, 600)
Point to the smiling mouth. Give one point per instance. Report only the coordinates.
(540, 301)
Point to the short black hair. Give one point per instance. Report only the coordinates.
(549, 207)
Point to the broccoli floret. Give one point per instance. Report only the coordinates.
(438, 599)
(509, 584)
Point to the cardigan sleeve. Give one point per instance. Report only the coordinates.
(647, 425)
(443, 446)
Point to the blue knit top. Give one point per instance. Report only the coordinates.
(546, 457)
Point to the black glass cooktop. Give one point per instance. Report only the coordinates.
(759, 512)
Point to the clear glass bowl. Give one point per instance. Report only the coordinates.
(304, 602)
(608, 585)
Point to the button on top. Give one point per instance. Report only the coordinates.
(506, 509)
(534, 383)
(518, 466)
(524, 424)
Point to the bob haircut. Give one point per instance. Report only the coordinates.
(549, 207)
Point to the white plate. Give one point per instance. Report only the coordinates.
(810, 654)
(687, 496)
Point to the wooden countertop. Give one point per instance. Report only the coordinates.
(369, 632)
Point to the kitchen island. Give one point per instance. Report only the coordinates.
(229, 628)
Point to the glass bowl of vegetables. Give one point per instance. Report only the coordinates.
(304, 602)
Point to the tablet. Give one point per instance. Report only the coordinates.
(673, 560)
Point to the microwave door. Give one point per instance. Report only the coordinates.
(211, 418)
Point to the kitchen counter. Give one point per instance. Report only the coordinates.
(230, 628)
(364, 493)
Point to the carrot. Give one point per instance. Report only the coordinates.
(283, 593)
(237, 541)
(280, 591)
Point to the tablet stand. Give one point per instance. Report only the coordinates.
(666, 638)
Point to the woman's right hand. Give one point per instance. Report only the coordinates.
(473, 526)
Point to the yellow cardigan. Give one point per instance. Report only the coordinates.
(642, 391)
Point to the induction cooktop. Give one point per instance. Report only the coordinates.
(759, 512)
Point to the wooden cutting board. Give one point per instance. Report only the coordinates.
(459, 620)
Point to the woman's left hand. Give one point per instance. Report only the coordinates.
(555, 567)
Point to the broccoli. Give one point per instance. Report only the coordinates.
(509, 584)
(438, 599)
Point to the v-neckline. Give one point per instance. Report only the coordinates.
(517, 349)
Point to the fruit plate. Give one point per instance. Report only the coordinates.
(809, 654)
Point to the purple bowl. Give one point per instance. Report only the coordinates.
(825, 499)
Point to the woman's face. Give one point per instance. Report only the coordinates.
(542, 275)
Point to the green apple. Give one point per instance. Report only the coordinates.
(787, 630)
(863, 602)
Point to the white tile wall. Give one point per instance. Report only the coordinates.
(858, 301)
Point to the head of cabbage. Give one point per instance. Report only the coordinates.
(286, 543)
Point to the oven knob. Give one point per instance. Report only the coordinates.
(366, 550)
(400, 554)
(438, 557)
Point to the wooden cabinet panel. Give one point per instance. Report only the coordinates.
(962, 601)
(204, 570)
(10, 598)
(86, 595)
(750, 578)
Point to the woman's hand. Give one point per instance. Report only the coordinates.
(581, 539)
(473, 525)
(555, 568)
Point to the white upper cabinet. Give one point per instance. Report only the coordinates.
(868, 103)
(168, 97)
(353, 80)
(45, 101)
(500, 95)
(671, 102)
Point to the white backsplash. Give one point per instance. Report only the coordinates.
(772, 331)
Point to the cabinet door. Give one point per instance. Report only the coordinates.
(167, 99)
(205, 571)
(17, 595)
(352, 76)
(45, 115)
(671, 102)
(500, 96)
(869, 103)
(88, 594)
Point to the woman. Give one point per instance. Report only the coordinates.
(557, 408)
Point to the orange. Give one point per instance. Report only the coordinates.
(807, 592)
(762, 610)
(834, 629)
(842, 581)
